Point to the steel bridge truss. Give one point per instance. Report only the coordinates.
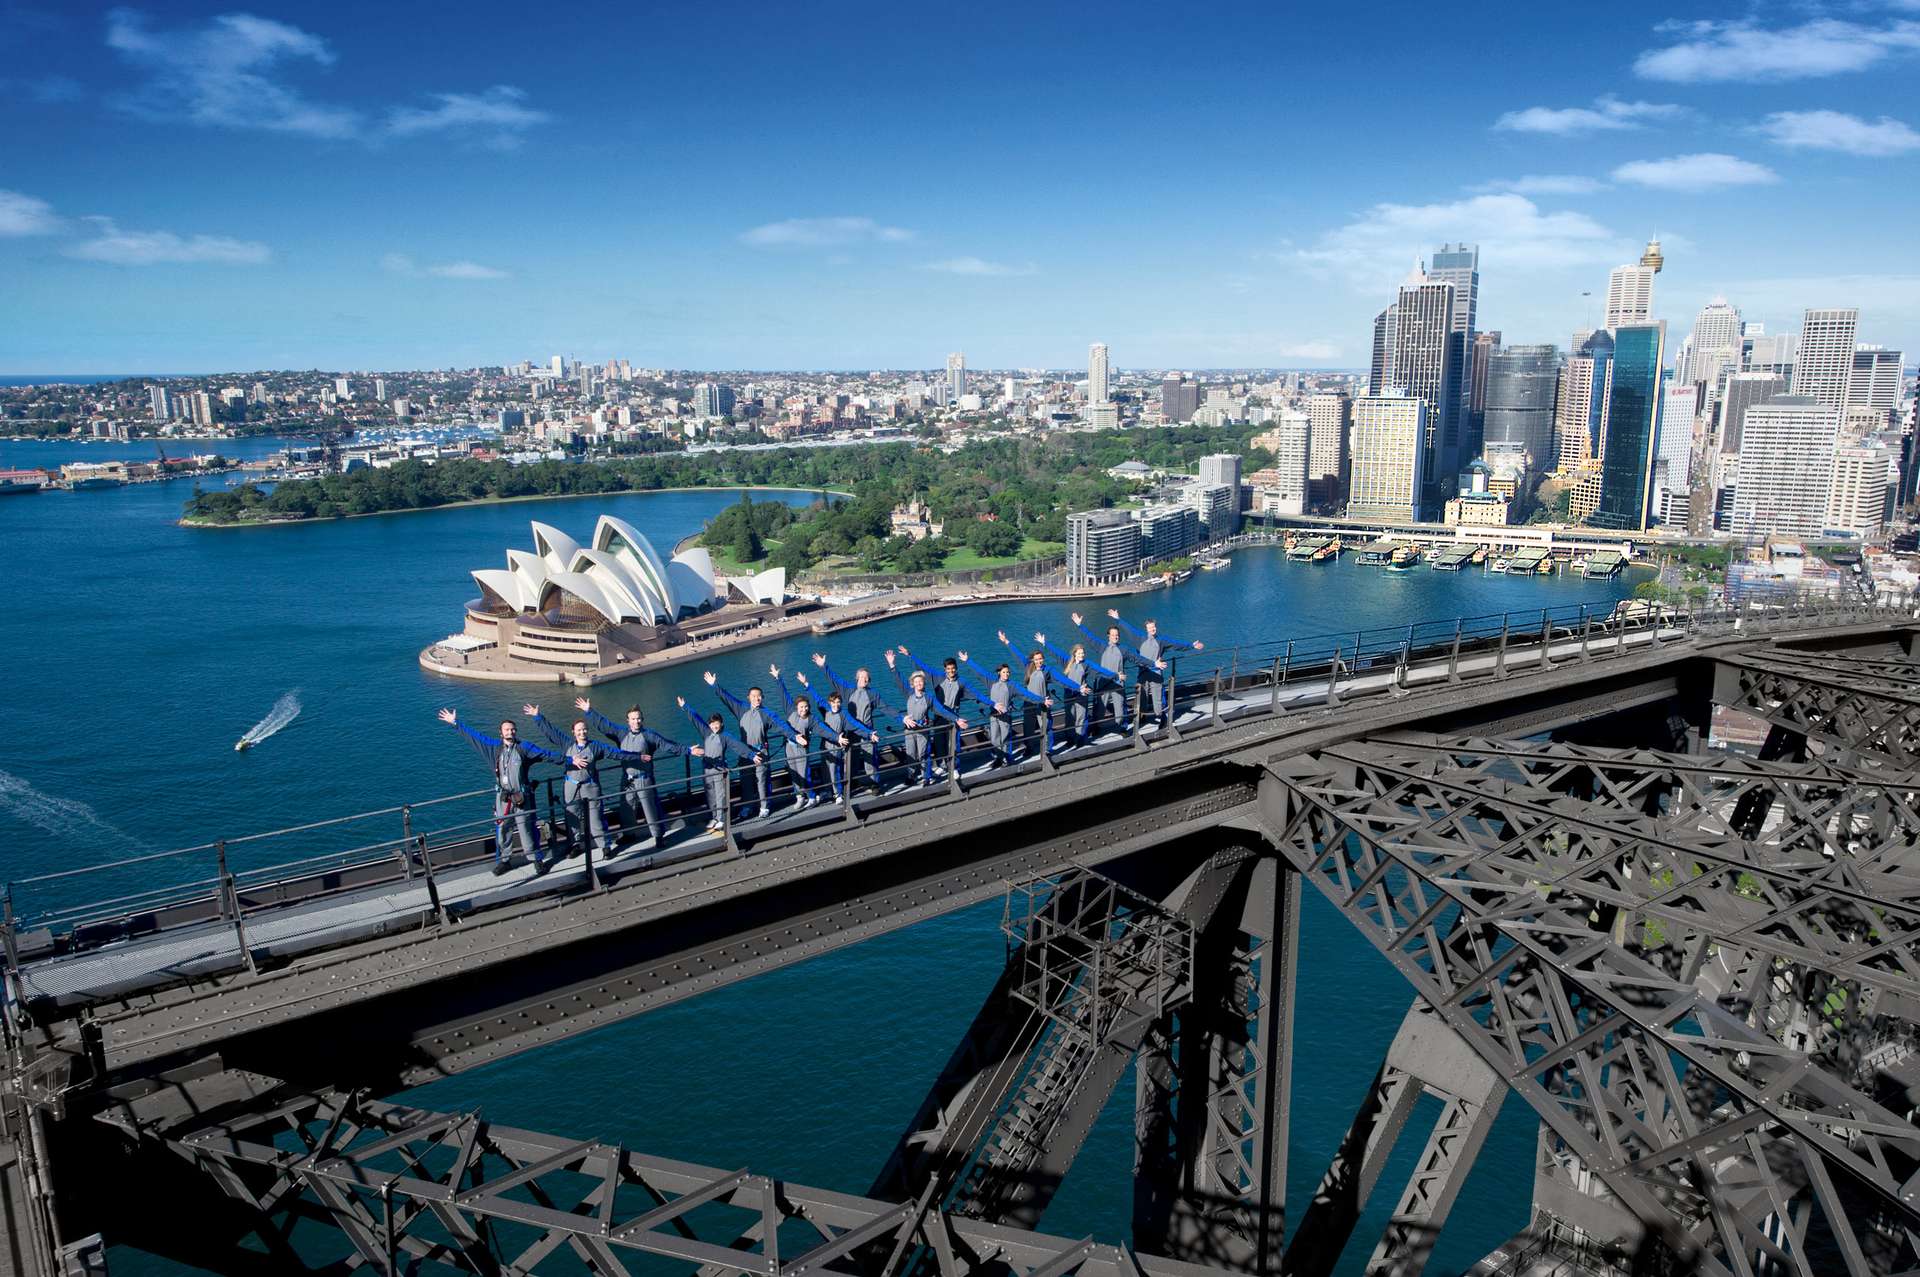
(412, 1191)
(1858, 706)
(1692, 970)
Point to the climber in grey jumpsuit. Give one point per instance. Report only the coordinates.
(717, 752)
(1076, 673)
(509, 759)
(865, 707)
(922, 707)
(842, 740)
(1001, 691)
(756, 723)
(802, 729)
(1154, 648)
(586, 818)
(638, 798)
(1114, 655)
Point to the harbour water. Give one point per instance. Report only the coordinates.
(141, 651)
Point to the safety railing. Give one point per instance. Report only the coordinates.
(428, 859)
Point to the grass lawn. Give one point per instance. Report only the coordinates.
(965, 560)
(961, 560)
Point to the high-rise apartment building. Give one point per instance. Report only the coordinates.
(1786, 467)
(712, 399)
(1714, 345)
(1422, 359)
(380, 389)
(1863, 476)
(559, 366)
(201, 404)
(1629, 296)
(1521, 385)
(157, 402)
(1168, 531)
(343, 387)
(1292, 438)
(1179, 398)
(1459, 265)
(1103, 546)
(1823, 368)
(1744, 390)
(1386, 456)
(1576, 413)
(1330, 416)
(1097, 374)
(1632, 414)
(1875, 382)
(956, 376)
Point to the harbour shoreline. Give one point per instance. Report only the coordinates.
(838, 617)
(201, 525)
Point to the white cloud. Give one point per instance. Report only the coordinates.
(466, 270)
(109, 243)
(403, 264)
(1606, 113)
(25, 215)
(979, 266)
(1376, 249)
(1838, 131)
(1703, 172)
(234, 72)
(224, 74)
(823, 232)
(1545, 184)
(501, 112)
(1722, 51)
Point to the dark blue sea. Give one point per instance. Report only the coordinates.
(141, 651)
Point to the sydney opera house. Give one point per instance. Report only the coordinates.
(564, 607)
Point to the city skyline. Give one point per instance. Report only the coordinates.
(293, 186)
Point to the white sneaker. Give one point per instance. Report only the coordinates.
(839, 800)
(799, 804)
(765, 811)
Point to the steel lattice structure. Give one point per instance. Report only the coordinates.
(1700, 968)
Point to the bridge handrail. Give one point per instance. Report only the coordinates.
(1335, 661)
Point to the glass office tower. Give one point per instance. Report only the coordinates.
(1633, 412)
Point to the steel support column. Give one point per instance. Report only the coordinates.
(1212, 1103)
(1425, 1057)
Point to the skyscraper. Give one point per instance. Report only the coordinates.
(1576, 413)
(1673, 440)
(1823, 368)
(1786, 467)
(1179, 397)
(1292, 454)
(1633, 405)
(1629, 295)
(380, 389)
(1459, 265)
(1484, 344)
(1329, 417)
(1857, 497)
(1097, 373)
(1876, 378)
(1744, 390)
(1714, 344)
(1521, 386)
(956, 376)
(1387, 451)
(157, 401)
(1424, 355)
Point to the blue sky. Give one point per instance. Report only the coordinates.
(190, 187)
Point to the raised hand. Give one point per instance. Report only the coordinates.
(1038, 637)
(801, 676)
(1002, 634)
(820, 659)
(903, 650)
(708, 676)
(531, 711)
(582, 704)
(890, 660)
(447, 716)
(681, 701)
(1114, 612)
(1077, 618)
(1197, 645)
(961, 655)
(773, 671)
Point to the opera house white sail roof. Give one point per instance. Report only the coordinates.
(620, 576)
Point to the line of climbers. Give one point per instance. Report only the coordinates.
(831, 736)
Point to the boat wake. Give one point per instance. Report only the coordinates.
(284, 711)
(61, 817)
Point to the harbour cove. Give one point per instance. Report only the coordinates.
(148, 631)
